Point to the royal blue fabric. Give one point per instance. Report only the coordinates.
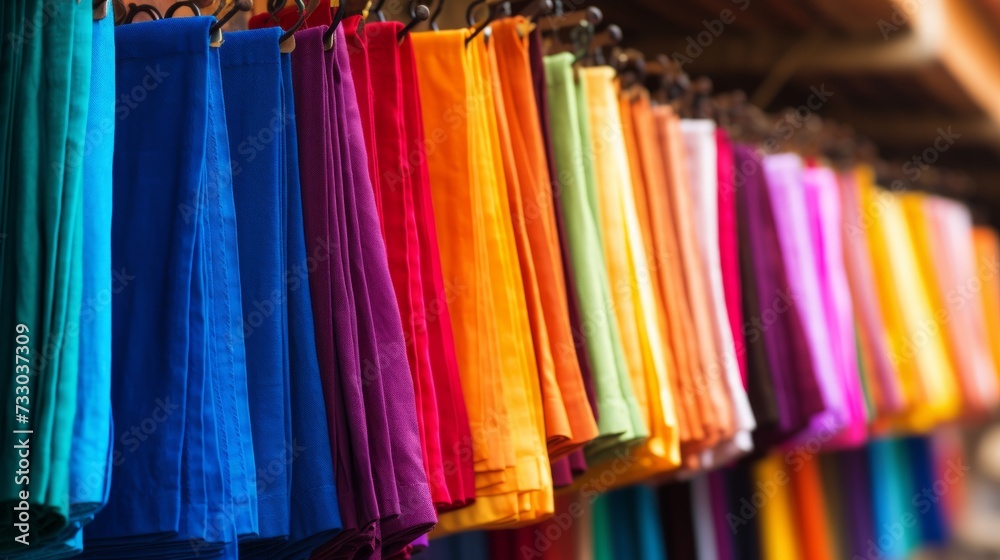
(251, 79)
(315, 515)
(183, 444)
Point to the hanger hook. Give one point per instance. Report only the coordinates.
(435, 14)
(238, 6)
(377, 9)
(301, 5)
(190, 4)
(469, 12)
(135, 9)
(422, 13)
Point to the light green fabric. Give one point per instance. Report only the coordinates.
(600, 330)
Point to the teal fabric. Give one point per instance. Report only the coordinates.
(46, 64)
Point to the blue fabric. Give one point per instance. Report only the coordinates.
(182, 441)
(315, 515)
(90, 464)
(251, 76)
(90, 460)
(927, 503)
(650, 538)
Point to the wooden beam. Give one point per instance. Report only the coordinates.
(731, 54)
(921, 131)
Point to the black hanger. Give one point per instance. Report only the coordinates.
(216, 30)
(339, 15)
(418, 13)
(100, 9)
(559, 20)
(377, 10)
(295, 27)
(536, 8)
(189, 4)
(136, 9)
(501, 9)
(434, 15)
(581, 35)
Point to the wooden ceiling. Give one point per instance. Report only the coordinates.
(900, 70)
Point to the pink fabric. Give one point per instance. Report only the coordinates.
(823, 203)
(729, 251)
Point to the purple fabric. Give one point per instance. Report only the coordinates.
(406, 506)
(330, 288)
(797, 397)
(562, 474)
(791, 218)
(368, 370)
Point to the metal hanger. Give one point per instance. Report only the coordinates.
(216, 30)
(434, 16)
(498, 10)
(418, 13)
(341, 13)
(189, 4)
(136, 9)
(304, 12)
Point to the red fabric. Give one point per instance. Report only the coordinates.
(456, 437)
(729, 251)
(286, 18)
(357, 48)
(399, 228)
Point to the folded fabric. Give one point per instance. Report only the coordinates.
(176, 228)
(252, 57)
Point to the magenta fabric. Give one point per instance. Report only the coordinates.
(729, 253)
(718, 489)
(328, 283)
(823, 203)
(787, 198)
(796, 394)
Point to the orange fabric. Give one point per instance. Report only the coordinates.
(987, 247)
(707, 387)
(528, 183)
(807, 493)
(654, 211)
(493, 342)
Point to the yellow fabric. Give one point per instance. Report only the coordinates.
(987, 247)
(917, 345)
(947, 265)
(777, 514)
(635, 302)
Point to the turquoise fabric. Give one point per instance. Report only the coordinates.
(46, 63)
